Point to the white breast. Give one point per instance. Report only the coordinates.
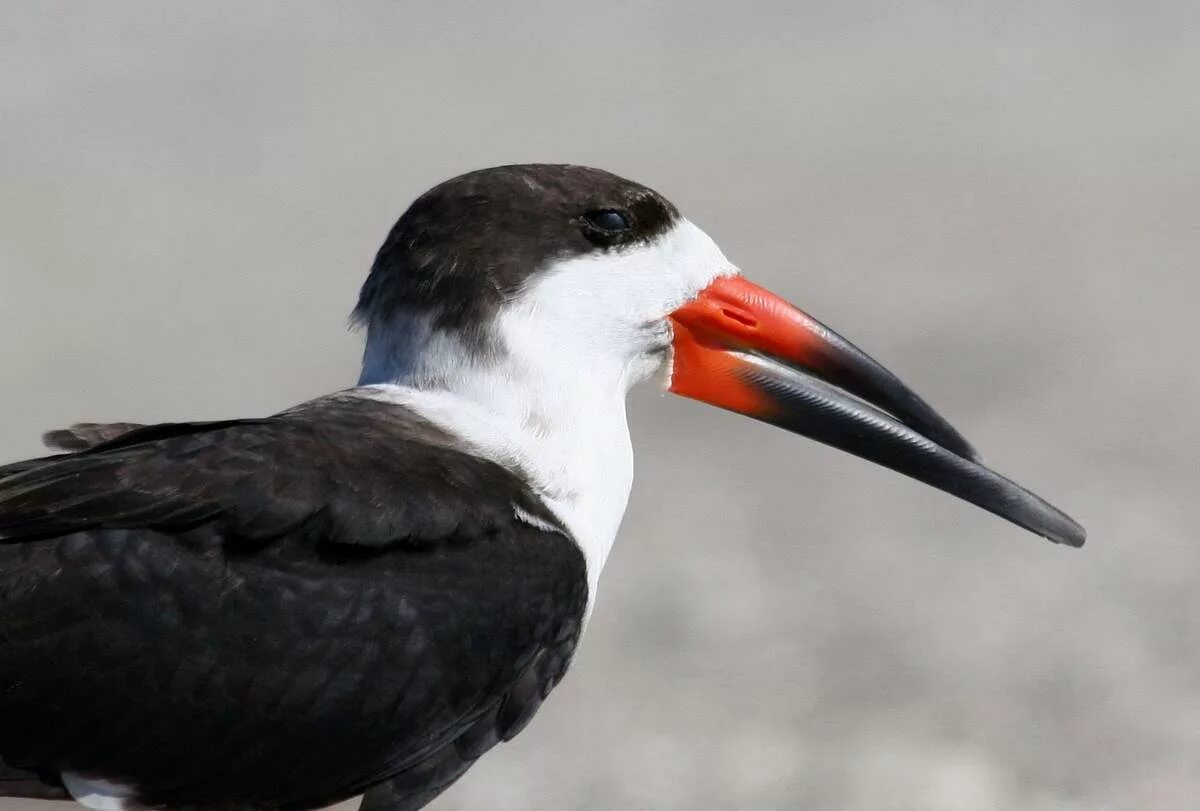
(101, 795)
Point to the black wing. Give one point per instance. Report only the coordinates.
(276, 613)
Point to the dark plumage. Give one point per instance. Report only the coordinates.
(283, 611)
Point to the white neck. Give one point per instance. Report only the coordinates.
(568, 436)
(549, 402)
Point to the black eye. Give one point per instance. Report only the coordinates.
(606, 226)
(608, 219)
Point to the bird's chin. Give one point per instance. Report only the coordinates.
(654, 359)
(653, 363)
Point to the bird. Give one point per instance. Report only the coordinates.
(364, 593)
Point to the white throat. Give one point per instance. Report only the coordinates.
(551, 404)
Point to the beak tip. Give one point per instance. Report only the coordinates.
(1076, 539)
(1070, 533)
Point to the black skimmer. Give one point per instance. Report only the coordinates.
(366, 592)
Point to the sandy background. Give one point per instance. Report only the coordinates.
(1000, 200)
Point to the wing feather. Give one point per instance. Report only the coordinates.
(280, 612)
(336, 463)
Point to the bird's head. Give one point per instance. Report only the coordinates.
(579, 283)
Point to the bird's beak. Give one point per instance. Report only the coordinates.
(741, 347)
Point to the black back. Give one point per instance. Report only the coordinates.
(275, 613)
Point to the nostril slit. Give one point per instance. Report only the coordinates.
(740, 317)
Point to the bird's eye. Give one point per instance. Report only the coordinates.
(606, 226)
(608, 219)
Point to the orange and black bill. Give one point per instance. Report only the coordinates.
(741, 347)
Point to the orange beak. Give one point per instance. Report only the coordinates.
(741, 347)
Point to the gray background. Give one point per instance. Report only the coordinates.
(1000, 200)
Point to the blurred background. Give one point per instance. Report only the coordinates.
(999, 200)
